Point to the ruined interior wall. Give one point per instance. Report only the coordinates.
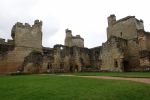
(113, 53)
(13, 60)
(48, 59)
(144, 46)
(70, 58)
(5, 48)
(148, 41)
(95, 57)
(133, 54)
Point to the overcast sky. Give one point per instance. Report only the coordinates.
(85, 17)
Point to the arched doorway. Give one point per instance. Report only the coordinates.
(71, 68)
(49, 67)
(125, 66)
(76, 68)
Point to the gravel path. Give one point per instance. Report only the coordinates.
(142, 80)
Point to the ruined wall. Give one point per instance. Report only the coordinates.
(127, 49)
(114, 54)
(144, 46)
(128, 28)
(125, 28)
(133, 54)
(6, 46)
(70, 59)
(95, 57)
(26, 39)
(48, 59)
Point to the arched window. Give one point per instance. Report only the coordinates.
(121, 34)
(116, 64)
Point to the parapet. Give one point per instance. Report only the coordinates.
(37, 23)
(26, 25)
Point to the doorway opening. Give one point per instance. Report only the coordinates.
(125, 66)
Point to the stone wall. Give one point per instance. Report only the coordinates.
(144, 46)
(70, 59)
(127, 49)
(113, 54)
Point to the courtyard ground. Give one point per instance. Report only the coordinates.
(58, 87)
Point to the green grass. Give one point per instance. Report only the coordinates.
(53, 87)
(115, 74)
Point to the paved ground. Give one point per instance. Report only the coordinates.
(142, 80)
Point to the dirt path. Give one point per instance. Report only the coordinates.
(142, 80)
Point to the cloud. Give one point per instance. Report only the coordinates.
(13, 11)
(85, 17)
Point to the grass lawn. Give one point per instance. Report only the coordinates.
(54, 87)
(116, 74)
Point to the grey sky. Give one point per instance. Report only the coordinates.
(85, 17)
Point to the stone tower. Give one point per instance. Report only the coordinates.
(28, 36)
(27, 39)
(68, 39)
(125, 28)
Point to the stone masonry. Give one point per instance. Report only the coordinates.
(127, 49)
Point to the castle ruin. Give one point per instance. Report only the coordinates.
(127, 49)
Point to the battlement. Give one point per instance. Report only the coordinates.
(25, 35)
(27, 25)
